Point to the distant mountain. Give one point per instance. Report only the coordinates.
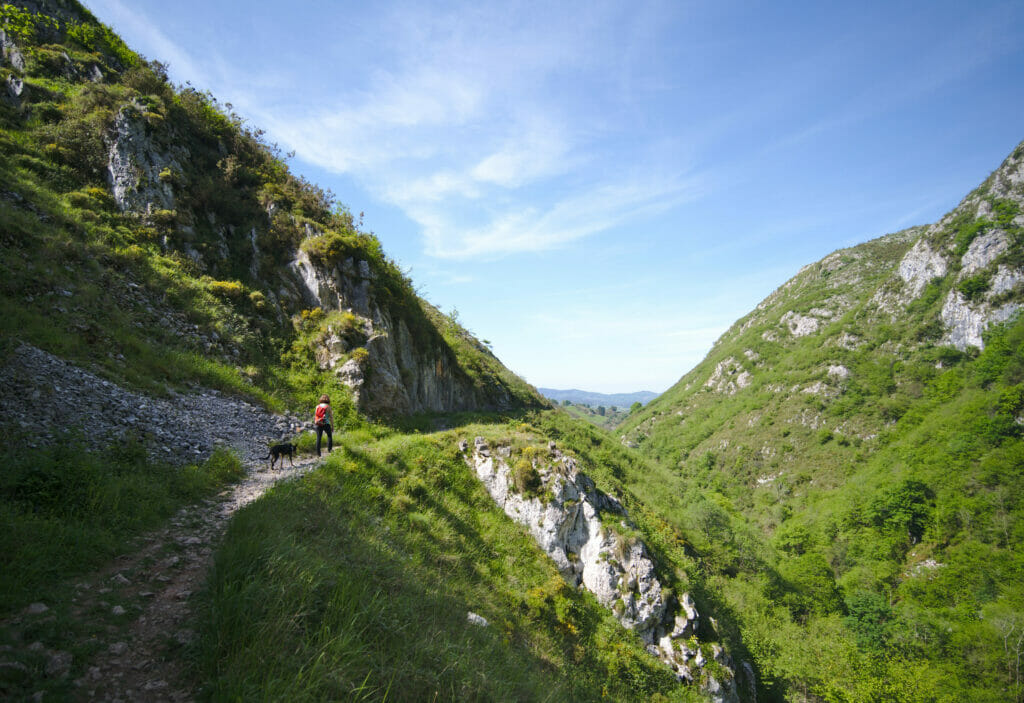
(619, 400)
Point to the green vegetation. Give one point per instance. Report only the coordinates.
(849, 517)
(854, 509)
(474, 358)
(356, 584)
(64, 510)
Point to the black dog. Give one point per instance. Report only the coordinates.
(278, 451)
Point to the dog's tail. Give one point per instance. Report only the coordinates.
(267, 456)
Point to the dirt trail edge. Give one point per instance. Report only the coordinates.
(155, 584)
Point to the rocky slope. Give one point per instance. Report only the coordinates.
(910, 293)
(44, 398)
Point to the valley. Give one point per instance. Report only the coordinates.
(828, 507)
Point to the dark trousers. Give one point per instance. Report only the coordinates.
(320, 430)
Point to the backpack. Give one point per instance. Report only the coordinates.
(321, 414)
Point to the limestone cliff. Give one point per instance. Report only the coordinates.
(401, 371)
(587, 534)
(978, 246)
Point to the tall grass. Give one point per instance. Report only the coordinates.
(64, 510)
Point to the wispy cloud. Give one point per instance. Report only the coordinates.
(532, 152)
(531, 229)
(467, 125)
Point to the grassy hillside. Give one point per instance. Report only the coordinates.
(852, 481)
(838, 484)
(357, 582)
(607, 418)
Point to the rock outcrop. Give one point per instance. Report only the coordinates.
(138, 171)
(399, 374)
(918, 267)
(966, 322)
(10, 53)
(587, 534)
(728, 377)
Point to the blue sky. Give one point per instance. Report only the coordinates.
(601, 188)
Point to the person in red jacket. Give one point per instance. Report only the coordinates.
(323, 418)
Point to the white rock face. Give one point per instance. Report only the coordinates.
(816, 388)
(13, 88)
(838, 372)
(965, 322)
(983, 251)
(589, 551)
(800, 325)
(475, 619)
(134, 165)
(340, 288)
(10, 52)
(848, 341)
(399, 374)
(1005, 280)
(919, 266)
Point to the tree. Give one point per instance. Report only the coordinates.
(635, 406)
(600, 410)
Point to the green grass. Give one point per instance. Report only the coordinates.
(608, 420)
(355, 584)
(65, 510)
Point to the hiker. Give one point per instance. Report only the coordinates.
(323, 418)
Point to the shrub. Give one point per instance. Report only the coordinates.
(526, 478)
(91, 198)
(360, 355)
(226, 289)
(164, 218)
(974, 287)
(331, 248)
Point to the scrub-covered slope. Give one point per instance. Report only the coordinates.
(150, 233)
(860, 433)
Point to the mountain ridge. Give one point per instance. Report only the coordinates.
(592, 398)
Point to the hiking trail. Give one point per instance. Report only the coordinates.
(141, 603)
